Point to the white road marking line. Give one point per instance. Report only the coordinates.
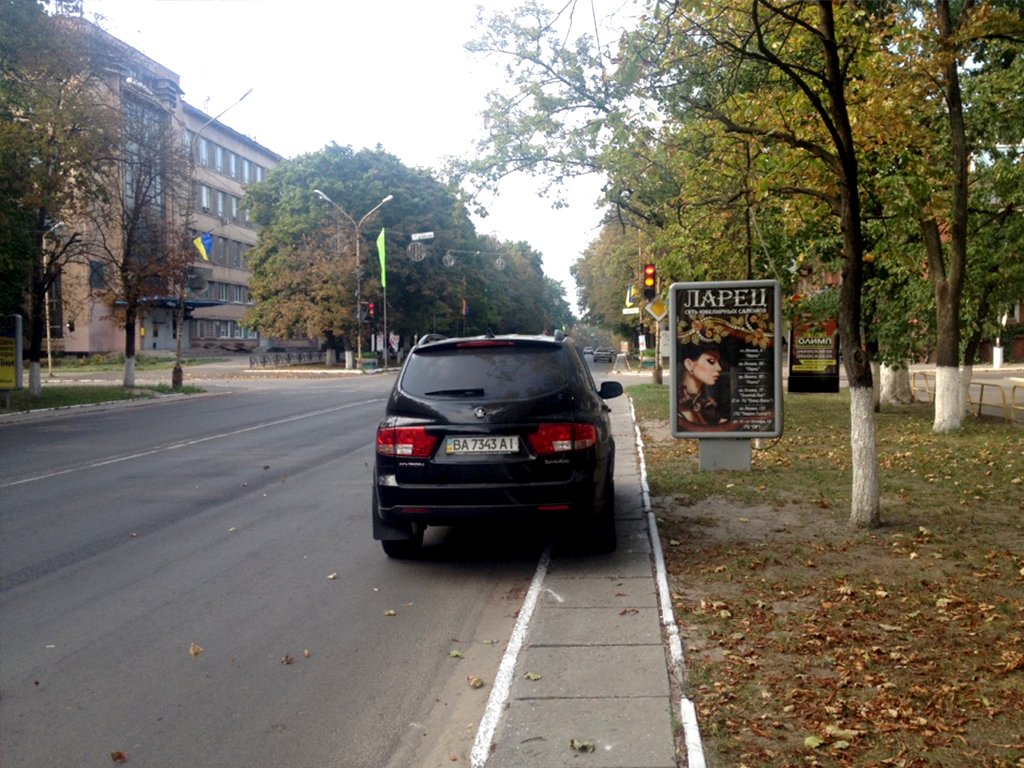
(496, 702)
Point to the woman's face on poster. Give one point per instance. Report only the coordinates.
(706, 368)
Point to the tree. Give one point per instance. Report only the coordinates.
(137, 232)
(305, 273)
(774, 76)
(951, 68)
(55, 135)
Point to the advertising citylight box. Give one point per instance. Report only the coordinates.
(726, 359)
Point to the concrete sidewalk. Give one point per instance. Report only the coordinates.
(593, 672)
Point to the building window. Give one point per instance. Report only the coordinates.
(246, 170)
(204, 198)
(232, 165)
(218, 158)
(234, 208)
(259, 172)
(220, 203)
(97, 275)
(204, 151)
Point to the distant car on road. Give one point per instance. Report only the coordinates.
(603, 355)
(494, 427)
(588, 350)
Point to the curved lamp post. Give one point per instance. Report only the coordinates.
(357, 227)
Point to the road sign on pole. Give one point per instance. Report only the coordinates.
(657, 309)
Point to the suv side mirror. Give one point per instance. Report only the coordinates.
(610, 389)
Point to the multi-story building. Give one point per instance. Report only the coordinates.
(223, 162)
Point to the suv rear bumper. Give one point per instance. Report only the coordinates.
(564, 501)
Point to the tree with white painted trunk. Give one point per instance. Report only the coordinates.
(771, 78)
(951, 49)
(801, 58)
(895, 385)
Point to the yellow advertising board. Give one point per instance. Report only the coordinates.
(10, 352)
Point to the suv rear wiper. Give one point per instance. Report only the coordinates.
(464, 392)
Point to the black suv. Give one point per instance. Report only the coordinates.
(494, 427)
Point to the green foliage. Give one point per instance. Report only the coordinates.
(55, 135)
(68, 396)
(725, 156)
(305, 273)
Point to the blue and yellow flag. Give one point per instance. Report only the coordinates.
(204, 244)
(380, 254)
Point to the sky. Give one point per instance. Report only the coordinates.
(391, 72)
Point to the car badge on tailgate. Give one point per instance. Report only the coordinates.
(480, 413)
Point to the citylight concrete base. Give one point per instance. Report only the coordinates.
(715, 455)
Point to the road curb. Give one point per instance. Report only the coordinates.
(687, 710)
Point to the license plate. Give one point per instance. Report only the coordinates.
(488, 444)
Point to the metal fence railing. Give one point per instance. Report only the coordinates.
(284, 359)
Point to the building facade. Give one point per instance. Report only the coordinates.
(222, 163)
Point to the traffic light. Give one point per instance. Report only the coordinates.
(650, 281)
(371, 310)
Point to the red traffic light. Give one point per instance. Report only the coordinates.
(371, 309)
(650, 281)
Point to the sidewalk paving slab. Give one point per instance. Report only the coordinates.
(631, 732)
(596, 651)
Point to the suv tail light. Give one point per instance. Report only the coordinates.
(414, 442)
(562, 437)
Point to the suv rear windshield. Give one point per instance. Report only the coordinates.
(488, 372)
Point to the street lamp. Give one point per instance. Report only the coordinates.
(357, 226)
(177, 375)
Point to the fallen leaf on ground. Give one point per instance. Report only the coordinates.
(119, 757)
(332, 576)
(456, 654)
(286, 659)
(581, 746)
(532, 676)
(390, 612)
(474, 681)
(195, 650)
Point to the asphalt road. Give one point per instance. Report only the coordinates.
(237, 523)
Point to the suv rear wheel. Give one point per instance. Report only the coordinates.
(403, 549)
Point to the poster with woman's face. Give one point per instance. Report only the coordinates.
(726, 367)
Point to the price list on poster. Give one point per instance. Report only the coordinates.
(754, 406)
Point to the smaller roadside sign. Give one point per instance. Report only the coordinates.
(422, 236)
(631, 311)
(657, 309)
(10, 352)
